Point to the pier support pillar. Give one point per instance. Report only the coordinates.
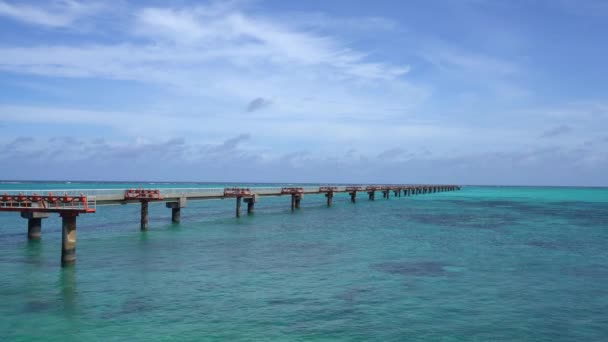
(239, 199)
(68, 238)
(295, 201)
(176, 215)
(372, 195)
(176, 209)
(353, 197)
(34, 224)
(386, 194)
(144, 215)
(330, 198)
(397, 193)
(250, 204)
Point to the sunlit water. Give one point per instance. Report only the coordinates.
(482, 264)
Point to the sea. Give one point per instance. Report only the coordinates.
(486, 263)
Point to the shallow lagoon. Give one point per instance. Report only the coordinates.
(483, 263)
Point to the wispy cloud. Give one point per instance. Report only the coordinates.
(220, 53)
(445, 55)
(56, 13)
(241, 36)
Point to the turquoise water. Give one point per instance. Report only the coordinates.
(480, 264)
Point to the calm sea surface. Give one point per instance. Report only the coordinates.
(480, 264)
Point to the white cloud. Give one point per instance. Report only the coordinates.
(58, 13)
(253, 37)
(227, 58)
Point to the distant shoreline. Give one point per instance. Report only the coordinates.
(15, 181)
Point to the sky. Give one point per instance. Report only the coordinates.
(464, 92)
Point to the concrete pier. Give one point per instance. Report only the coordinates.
(144, 215)
(68, 238)
(37, 205)
(34, 223)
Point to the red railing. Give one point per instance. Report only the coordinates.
(237, 192)
(143, 194)
(292, 191)
(45, 203)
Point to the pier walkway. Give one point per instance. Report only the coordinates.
(36, 205)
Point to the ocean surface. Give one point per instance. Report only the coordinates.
(480, 264)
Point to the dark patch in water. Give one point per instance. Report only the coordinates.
(545, 244)
(594, 271)
(583, 213)
(286, 301)
(135, 305)
(422, 268)
(37, 306)
(352, 294)
(496, 221)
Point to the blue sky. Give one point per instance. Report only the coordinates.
(468, 92)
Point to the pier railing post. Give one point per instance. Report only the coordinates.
(144, 215)
(68, 238)
(34, 223)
